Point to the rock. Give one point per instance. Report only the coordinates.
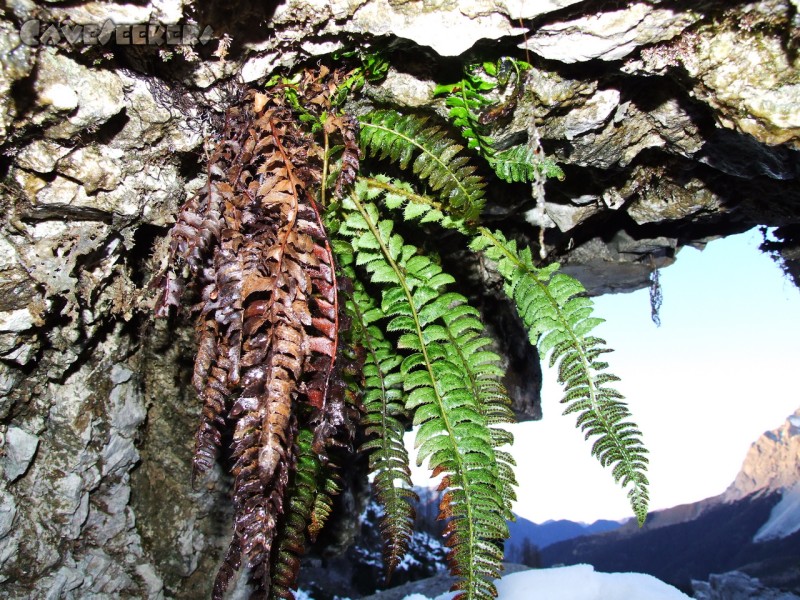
(569, 216)
(16, 65)
(596, 138)
(741, 155)
(425, 27)
(16, 320)
(743, 73)
(403, 90)
(593, 115)
(622, 265)
(610, 35)
(62, 85)
(41, 156)
(8, 510)
(93, 169)
(736, 585)
(20, 446)
(673, 123)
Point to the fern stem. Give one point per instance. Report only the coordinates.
(461, 469)
(412, 197)
(325, 165)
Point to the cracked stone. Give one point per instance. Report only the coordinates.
(19, 450)
(608, 35)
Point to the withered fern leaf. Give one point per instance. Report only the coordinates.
(268, 320)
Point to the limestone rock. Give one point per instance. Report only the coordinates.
(741, 68)
(756, 92)
(20, 446)
(425, 22)
(673, 123)
(91, 97)
(610, 35)
(16, 65)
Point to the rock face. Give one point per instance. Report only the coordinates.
(674, 122)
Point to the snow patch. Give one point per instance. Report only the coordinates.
(784, 520)
(578, 582)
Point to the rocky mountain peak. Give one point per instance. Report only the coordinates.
(772, 463)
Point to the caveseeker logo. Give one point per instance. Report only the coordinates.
(36, 32)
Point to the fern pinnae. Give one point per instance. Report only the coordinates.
(559, 319)
(481, 367)
(290, 540)
(399, 195)
(522, 163)
(453, 435)
(436, 158)
(388, 459)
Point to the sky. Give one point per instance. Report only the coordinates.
(702, 387)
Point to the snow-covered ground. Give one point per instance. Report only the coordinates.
(578, 582)
(784, 519)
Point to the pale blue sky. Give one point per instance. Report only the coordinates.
(718, 373)
(702, 387)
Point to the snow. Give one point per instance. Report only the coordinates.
(784, 519)
(578, 582)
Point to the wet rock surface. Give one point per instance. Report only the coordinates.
(674, 122)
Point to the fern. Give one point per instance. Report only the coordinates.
(471, 111)
(397, 194)
(287, 244)
(436, 159)
(453, 434)
(521, 163)
(384, 423)
(558, 316)
(291, 537)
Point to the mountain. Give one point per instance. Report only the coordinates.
(753, 527)
(772, 463)
(527, 538)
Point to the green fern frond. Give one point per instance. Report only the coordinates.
(467, 348)
(323, 501)
(521, 163)
(437, 160)
(399, 195)
(466, 99)
(383, 402)
(471, 110)
(453, 435)
(558, 317)
(291, 538)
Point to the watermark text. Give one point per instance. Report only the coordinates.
(36, 33)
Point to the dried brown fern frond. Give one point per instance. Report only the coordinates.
(269, 317)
